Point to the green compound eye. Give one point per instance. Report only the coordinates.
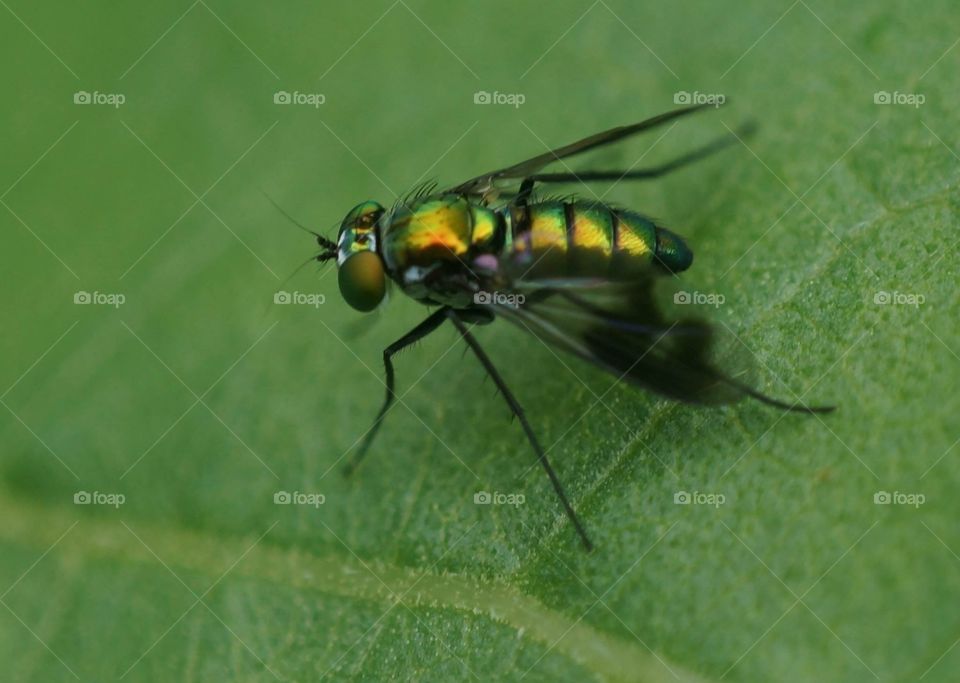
(362, 281)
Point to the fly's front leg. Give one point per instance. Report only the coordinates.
(521, 416)
(416, 334)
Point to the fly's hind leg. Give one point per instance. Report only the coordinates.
(526, 187)
(709, 149)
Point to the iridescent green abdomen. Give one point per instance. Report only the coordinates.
(557, 239)
(543, 240)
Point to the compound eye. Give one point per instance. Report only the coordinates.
(362, 281)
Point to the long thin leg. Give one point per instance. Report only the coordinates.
(416, 334)
(526, 187)
(777, 403)
(710, 148)
(483, 183)
(518, 411)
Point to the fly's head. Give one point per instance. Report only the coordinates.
(360, 271)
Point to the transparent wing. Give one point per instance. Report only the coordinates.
(485, 183)
(621, 328)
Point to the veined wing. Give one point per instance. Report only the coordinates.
(620, 328)
(485, 183)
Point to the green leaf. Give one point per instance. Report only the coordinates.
(182, 411)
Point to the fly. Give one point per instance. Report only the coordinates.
(578, 274)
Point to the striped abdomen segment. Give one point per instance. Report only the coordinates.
(556, 239)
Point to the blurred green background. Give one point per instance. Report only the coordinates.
(832, 239)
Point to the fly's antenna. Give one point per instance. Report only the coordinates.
(297, 270)
(328, 250)
(328, 246)
(289, 217)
